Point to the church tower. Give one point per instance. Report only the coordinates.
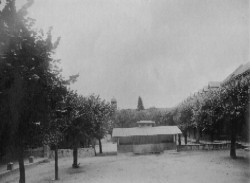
(114, 103)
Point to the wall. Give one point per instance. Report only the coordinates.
(138, 140)
(124, 148)
(82, 152)
(38, 152)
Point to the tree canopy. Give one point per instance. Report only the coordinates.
(211, 111)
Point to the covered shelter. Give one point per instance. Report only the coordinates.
(146, 138)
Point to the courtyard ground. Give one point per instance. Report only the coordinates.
(172, 167)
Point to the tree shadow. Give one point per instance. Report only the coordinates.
(244, 160)
(80, 169)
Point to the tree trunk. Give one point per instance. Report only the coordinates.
(94, 150)
(56, 163)
(75, 154)
(100, 145)
(185, 137)
(93, 145)
(179, 139)
(194, 131)
(212, 136)
(21, 165)
(197, 135)
(88, 143)
(233, 140)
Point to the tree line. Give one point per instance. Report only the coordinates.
(37, 106)
(211, 111)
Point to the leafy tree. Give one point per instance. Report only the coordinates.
(73, 132)
(24, 65)
(212, 112)
(184, 119)
(227, 106)
(31, 87)
(101, 112)
(79, 123)
(140, 104)
(54, 129)
(235, 99)
(168, 118)
(197, 116)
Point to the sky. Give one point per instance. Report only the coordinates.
(161, 50)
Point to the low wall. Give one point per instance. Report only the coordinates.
(212, 146)
(82, 152)
(38, 152)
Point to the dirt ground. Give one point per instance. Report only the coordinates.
(172, 167)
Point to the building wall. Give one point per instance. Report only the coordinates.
(124, 148)
(146, 148)
(137, 140)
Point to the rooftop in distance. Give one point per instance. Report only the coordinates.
(145, 122)
(158, 130)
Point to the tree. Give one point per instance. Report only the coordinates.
(24, 66)
(140, 104)
(235, 99)
(54, 129)
(29, 80)
(79, 123)
(101, 112)
(227, 106)
(168, 118)
(197, 116)
(184, 118)
(212, 112)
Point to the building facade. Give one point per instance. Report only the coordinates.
(146, 138)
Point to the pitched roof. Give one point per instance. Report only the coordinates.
(239, 71)
(146, 131)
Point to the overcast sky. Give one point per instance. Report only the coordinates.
(161, 50)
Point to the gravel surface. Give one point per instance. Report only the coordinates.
(171, 167)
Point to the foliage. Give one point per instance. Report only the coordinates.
(225, 107)
(100, 112)
(31, 87)
(126, 118)
(26, 74)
